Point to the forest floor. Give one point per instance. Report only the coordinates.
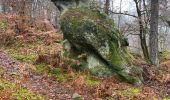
(32, 68)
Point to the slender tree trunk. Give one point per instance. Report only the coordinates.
(107, 5)
(153, 43)
(142, 32)
(119, 17)
(77, 2)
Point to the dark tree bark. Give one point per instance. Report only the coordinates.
(77, 2)
(153, 43)
(107, 5)
(142, 31)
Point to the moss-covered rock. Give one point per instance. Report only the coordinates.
(91, 32)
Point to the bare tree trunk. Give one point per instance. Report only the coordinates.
(77, 2)
(119, 17)
(153, 43)
(22, 8)
(142, 32)
(107, 5)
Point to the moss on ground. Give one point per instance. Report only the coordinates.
(166, 99)
(41, 68)
(3, 24)
(131, 92)
(52, 73)
(17, 92)
(1, 71)
(28, 53)
(93, 82)
(25, 58)
(23, 52)
(57, 72)
(165, 54)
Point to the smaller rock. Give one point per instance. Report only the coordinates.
(76, 96)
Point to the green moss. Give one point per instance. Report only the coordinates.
(165, 54)
(2, 71)
(41, 68)
(4, 24)
(100, 71)
(82, 19)
(128, 78)
(166, 99)
(56, 71)
(115, 56)
(14, 75)
(92, 83)
(18, 93)
(61, 77)
(18, 52)
(25, 58)
(129, 58)
(6, 85)
(23, 93)
(89, 79)
(40, 30)
(131, 92)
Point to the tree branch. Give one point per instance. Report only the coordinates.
(123, 14)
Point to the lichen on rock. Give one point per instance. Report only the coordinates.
(92, 32)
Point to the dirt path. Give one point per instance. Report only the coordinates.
(19, 73)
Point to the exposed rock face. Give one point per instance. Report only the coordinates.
(92, 33)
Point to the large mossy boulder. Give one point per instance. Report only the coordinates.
(93, 34)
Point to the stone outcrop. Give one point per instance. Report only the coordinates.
(92, 34)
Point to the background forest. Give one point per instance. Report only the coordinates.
(84, 50)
